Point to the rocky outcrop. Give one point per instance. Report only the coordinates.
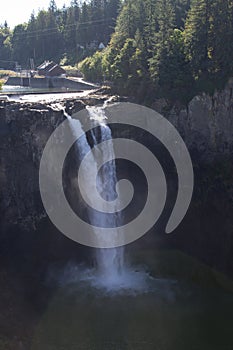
(25, 129)
(207, 128)
(206, 124)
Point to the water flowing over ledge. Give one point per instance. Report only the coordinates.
(26, 126)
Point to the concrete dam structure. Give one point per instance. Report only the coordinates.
(50, 82)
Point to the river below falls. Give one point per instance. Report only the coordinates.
(120, 306)
(168, 315)
(158, 301)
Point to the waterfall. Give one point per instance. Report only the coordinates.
(111, 271)
(109, 262)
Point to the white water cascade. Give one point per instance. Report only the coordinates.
(111, 272)
(110, 262)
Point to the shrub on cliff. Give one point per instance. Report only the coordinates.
(92, 68)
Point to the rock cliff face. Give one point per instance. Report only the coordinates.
(25, 129)
(207, 128)
(206, 124)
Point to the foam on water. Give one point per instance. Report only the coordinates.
(129, 281)
(111, 272)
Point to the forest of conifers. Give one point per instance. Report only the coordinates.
(173, 48)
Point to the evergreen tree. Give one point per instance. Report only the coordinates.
(221, 40)
(149, 46)
(181, 9)
(70, 31)
(198, 32)
(20, 45)
(52, 6)
(151, 25)
(83, 35)
(5, 47)
(32, 37)
(161, 45)
(174, 73)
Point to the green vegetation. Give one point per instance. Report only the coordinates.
(72, 71)
(168, 48)
(4, 75)
(163, 48)
(7, 73)
(91, 67)
(68, 34)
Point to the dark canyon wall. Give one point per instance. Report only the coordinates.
(207, 128)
